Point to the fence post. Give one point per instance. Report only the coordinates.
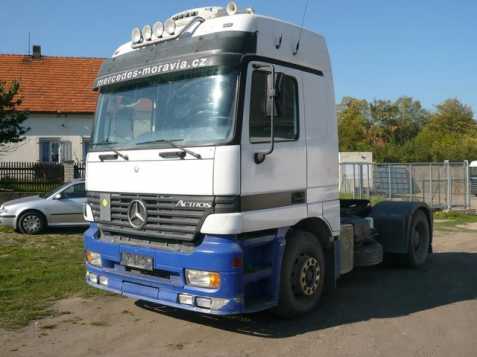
(449, 185)
(360, 181)
(389, 182)
(430, 185)
(411, 191)
(69, 169)
(466, 183)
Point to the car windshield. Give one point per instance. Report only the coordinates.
(191, 108)
(473, 171)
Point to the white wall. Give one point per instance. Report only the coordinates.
(65, 127)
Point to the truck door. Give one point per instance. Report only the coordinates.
(280, 180)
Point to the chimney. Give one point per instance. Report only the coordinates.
(36, 53)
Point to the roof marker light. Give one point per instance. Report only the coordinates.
(231, 8)
(158, 29)
(170, 26)
(147, 32)
(136, 35)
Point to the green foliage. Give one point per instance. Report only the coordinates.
(36, 271)
(11, 120)
(403, 131)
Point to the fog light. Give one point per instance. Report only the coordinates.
(103, 280)
(147, 32)
(203, 302)
(170, 26)
(231, 8)
(158, 29)
(186, 299)
(92, 277)
(202, 279)
(93, 258)
(136, 35)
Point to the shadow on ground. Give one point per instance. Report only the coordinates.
(365, 294)
(65, 230)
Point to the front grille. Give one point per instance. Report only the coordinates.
(166, 218)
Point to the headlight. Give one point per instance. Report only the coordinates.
(202, 279)
(88, 213)
(93, 258)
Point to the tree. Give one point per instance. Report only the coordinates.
(450, 134)
(11, 120)
(353, 125)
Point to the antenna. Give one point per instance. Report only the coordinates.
(28, 48)
(301, 28)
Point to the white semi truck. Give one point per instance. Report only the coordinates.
(213, 174)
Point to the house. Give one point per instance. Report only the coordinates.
(57, 93)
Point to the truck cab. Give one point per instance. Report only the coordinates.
(213, 174)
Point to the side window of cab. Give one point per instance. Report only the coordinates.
(286, 116)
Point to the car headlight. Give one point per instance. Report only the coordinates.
(88, 213)
(93, 258)
(202, 279)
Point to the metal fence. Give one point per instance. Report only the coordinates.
(441, 185)
(30, 176)
(35, 176)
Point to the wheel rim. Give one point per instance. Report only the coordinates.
(306, 276)
(31, 223)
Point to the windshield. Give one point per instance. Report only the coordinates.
(193, 108)
(473, 171)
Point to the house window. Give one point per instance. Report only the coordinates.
(54, 150)
(286, 116)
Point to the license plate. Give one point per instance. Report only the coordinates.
(136, 261)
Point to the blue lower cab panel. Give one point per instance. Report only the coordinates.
(249, 286)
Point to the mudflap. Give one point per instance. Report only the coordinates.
(392, 221)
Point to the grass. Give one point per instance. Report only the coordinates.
(36, 271)
(450, 220)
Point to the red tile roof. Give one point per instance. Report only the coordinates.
(53, 84)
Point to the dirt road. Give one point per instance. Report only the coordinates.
(374, 312)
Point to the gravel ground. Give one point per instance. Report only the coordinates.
(374, 312)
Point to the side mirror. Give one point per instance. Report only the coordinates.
(271, 107)
(58, 196)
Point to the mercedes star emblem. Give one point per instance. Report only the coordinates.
(137, 214)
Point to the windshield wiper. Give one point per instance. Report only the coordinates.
(107, 142)
(174, 145)
(123, 156)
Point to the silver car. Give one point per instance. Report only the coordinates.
(61, 207)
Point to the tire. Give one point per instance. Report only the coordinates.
(31, 222)
(419, 241)
(368, 253)
(303, 275)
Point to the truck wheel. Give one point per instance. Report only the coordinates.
(31, 222)
(419, 240)
(303, 275)
(368, 253)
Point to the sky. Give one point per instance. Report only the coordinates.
(380, 49)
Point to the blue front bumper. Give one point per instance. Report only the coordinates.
(243, 287)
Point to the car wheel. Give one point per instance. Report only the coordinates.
(303, 275)
(419, 240)
(31, 223)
